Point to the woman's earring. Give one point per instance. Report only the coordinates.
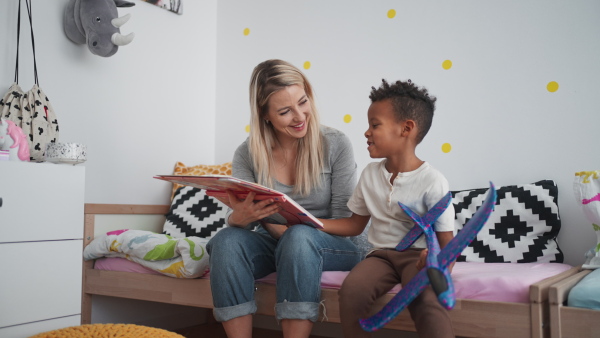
(267, 121)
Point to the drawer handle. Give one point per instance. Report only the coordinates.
(0, 201)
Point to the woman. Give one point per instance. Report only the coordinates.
(289, 151)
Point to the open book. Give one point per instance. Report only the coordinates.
(217, 186)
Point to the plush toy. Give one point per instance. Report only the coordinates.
(14, 140)
(586, 187)
(96, 23)
(436, 271)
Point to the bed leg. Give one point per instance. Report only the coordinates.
(86, 309)
(86, 299)
(555, 328)
(539, 320)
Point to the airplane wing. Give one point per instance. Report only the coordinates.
(469, 231)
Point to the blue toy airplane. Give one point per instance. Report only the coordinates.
(436, 272)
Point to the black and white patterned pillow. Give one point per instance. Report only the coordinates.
(522, 228)
(193, 213)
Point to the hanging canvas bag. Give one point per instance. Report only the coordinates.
(30, 110)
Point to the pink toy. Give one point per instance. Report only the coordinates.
(14, 140)
(586, 187)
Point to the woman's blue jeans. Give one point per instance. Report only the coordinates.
(239, 256)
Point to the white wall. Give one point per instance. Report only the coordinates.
(138, 111)
(493, 105)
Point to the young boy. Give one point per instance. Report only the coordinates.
(400, 116)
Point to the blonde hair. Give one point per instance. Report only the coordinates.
(267, 78)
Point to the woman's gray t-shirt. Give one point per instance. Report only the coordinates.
(338, 176)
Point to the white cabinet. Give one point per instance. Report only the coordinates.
(41, 241)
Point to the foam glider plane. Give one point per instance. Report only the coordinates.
(436, 270)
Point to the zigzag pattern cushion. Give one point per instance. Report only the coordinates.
(193, 213)
(522, 228)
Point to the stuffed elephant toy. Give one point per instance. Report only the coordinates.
(96, 23)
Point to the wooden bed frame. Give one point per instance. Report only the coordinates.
(571, 321)
(471, 318)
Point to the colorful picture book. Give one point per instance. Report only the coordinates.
(217, 186)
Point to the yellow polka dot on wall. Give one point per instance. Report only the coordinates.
(247, 128)
(391, 13)
(446, 147)
(347, 118)
(552, 86)
(447, 64)
(246, 31)
(307, 65)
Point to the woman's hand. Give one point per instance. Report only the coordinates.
(275, 230)
(248, 211)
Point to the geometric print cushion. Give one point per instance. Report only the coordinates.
(521, 229)
(193, 213)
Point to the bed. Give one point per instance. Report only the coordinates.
(571, 321)
(480, 315)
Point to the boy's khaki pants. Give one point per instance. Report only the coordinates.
(375, 276)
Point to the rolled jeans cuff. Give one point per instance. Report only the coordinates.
(224, 314)
(297, 310)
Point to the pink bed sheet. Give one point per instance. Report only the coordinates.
(501, 282)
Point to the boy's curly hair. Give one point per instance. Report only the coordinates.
(409, 102)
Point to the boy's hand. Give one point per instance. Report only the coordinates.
(247, 211)
(422, 262)
(443, 238)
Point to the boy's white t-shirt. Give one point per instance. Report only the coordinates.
(420, 190)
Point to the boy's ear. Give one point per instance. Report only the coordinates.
(408, 126)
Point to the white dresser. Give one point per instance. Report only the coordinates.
(41, 240)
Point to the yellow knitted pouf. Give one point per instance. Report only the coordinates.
(108, 331)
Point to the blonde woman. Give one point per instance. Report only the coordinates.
(289, 151)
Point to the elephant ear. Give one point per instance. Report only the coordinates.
(123, 3)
